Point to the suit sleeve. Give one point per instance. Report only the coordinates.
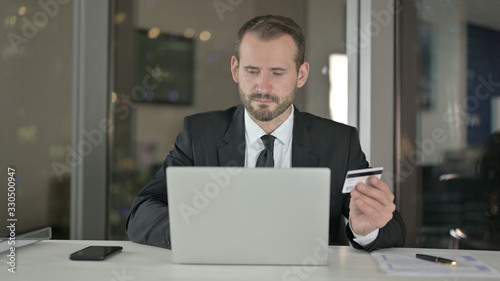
(148, 220)
(394, 232)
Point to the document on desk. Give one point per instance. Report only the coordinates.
(406, 264)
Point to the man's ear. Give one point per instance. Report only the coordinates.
(303, 74)
(234, 69)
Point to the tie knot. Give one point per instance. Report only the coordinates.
(268, 141)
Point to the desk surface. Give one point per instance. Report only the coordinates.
(48, 260)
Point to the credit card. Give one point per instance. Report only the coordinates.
(354, 177)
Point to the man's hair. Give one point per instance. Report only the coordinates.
(272, 27)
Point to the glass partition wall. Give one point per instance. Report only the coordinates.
(36, 63)
(449, 126)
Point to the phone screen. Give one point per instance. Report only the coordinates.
(95, 253)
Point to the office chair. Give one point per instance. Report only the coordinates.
(480, 226)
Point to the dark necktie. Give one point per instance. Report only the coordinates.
(266, 157)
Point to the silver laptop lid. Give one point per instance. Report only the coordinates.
(235, 215)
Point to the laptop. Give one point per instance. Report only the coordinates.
(236, 215)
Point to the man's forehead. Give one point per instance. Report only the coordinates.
(280, 49)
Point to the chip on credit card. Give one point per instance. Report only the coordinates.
(354, 177)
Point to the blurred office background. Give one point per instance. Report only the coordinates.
(423, 89)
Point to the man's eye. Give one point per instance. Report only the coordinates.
(277, 73)
(252, 71)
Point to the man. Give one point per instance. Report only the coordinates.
(269, 67)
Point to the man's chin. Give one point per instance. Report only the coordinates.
(262, 115)
(265, 113)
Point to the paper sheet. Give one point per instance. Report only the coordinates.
(406, 264)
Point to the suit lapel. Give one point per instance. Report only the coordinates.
(302, 146)
(233, 153)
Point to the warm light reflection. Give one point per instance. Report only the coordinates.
(22, 10)
(120, 17)
(205, 36)
(338, 87)
(446, 177)
(27, 134)
(460, 233)
(127, 164)
(114, 97)
(189, 32)
(153, 33)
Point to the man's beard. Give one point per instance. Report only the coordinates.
(262, 112)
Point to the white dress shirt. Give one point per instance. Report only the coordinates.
(282, 144)
(282, 154)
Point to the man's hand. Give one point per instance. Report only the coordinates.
(371, 207)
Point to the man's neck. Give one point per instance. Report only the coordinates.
(272, 125)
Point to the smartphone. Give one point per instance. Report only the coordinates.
(95, 253)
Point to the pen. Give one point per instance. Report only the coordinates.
(437, 259)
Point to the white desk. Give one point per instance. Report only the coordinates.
(48, 260)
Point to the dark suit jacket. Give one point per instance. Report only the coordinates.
(218, 139)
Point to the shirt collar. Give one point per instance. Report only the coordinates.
(283, 133)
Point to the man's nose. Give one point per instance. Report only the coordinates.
(264, 84)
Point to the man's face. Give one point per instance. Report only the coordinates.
(267, 75)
